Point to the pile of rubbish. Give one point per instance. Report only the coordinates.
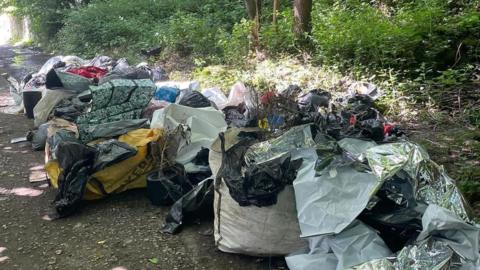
(325, 180)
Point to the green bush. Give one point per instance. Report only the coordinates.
(113, 26)
(125, 27)
(427, 31)
(279, 38)
(189, 34)
(236, 45)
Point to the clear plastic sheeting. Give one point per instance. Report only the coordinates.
(204, 125)
(329, 200)
(433, 185)
(216, 96)
(355, 245)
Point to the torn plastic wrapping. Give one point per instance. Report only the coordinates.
(166, 93)
(342, 184)
(166, 186)
(111, 152)
(401, 206)
(39, 138)
(112, 129)
(444, 226)
(198, 202)
(446, 242)
(101, 61)
(47, 103)
(70, 109)
(15, 90)
(356, 244)
(203, 126)
(62, 135)
(313, 100)
(123, 70)
(428, 255)
(433, 185)
(216, 96)
(257, 184)
(195, 99)
(298, 137)
(76, 161)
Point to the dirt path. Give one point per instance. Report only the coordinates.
(121, 232)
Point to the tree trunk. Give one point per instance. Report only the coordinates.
(275, 10)
(253, 7)
(253, 10)
(302, 12)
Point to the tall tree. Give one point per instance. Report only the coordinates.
(254, 8)
(302, 12)
(275, 10)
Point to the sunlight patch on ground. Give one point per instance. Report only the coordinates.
(22, 191)
(119, 268)
(5, 29)
(37, 174)
(47, 218)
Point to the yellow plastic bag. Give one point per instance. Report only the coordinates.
(128, 174)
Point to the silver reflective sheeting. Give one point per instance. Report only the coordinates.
(429, 255)
(330, 202)
(298, 137)
(433, 186)
(380, 264)
(356, 147)
(356, 244)
(446, 242)
(442, 225)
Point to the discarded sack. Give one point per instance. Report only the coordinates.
(120, 175)
(47, 103)
(164, 187)
(204, 125)
(114, 101)
(257, 231)
(195, 99)
(195, 203)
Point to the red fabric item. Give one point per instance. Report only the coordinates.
(89, 72)
(267, 97)
(387, 128)
(353, 120)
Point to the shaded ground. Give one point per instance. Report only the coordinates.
(121, 232)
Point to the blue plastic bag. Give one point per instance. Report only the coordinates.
(166, 93)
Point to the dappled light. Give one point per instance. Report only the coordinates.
(47, 218)
(37, 174)
(3, 258)
(188, 134)
(5, 29)
(21, 191)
